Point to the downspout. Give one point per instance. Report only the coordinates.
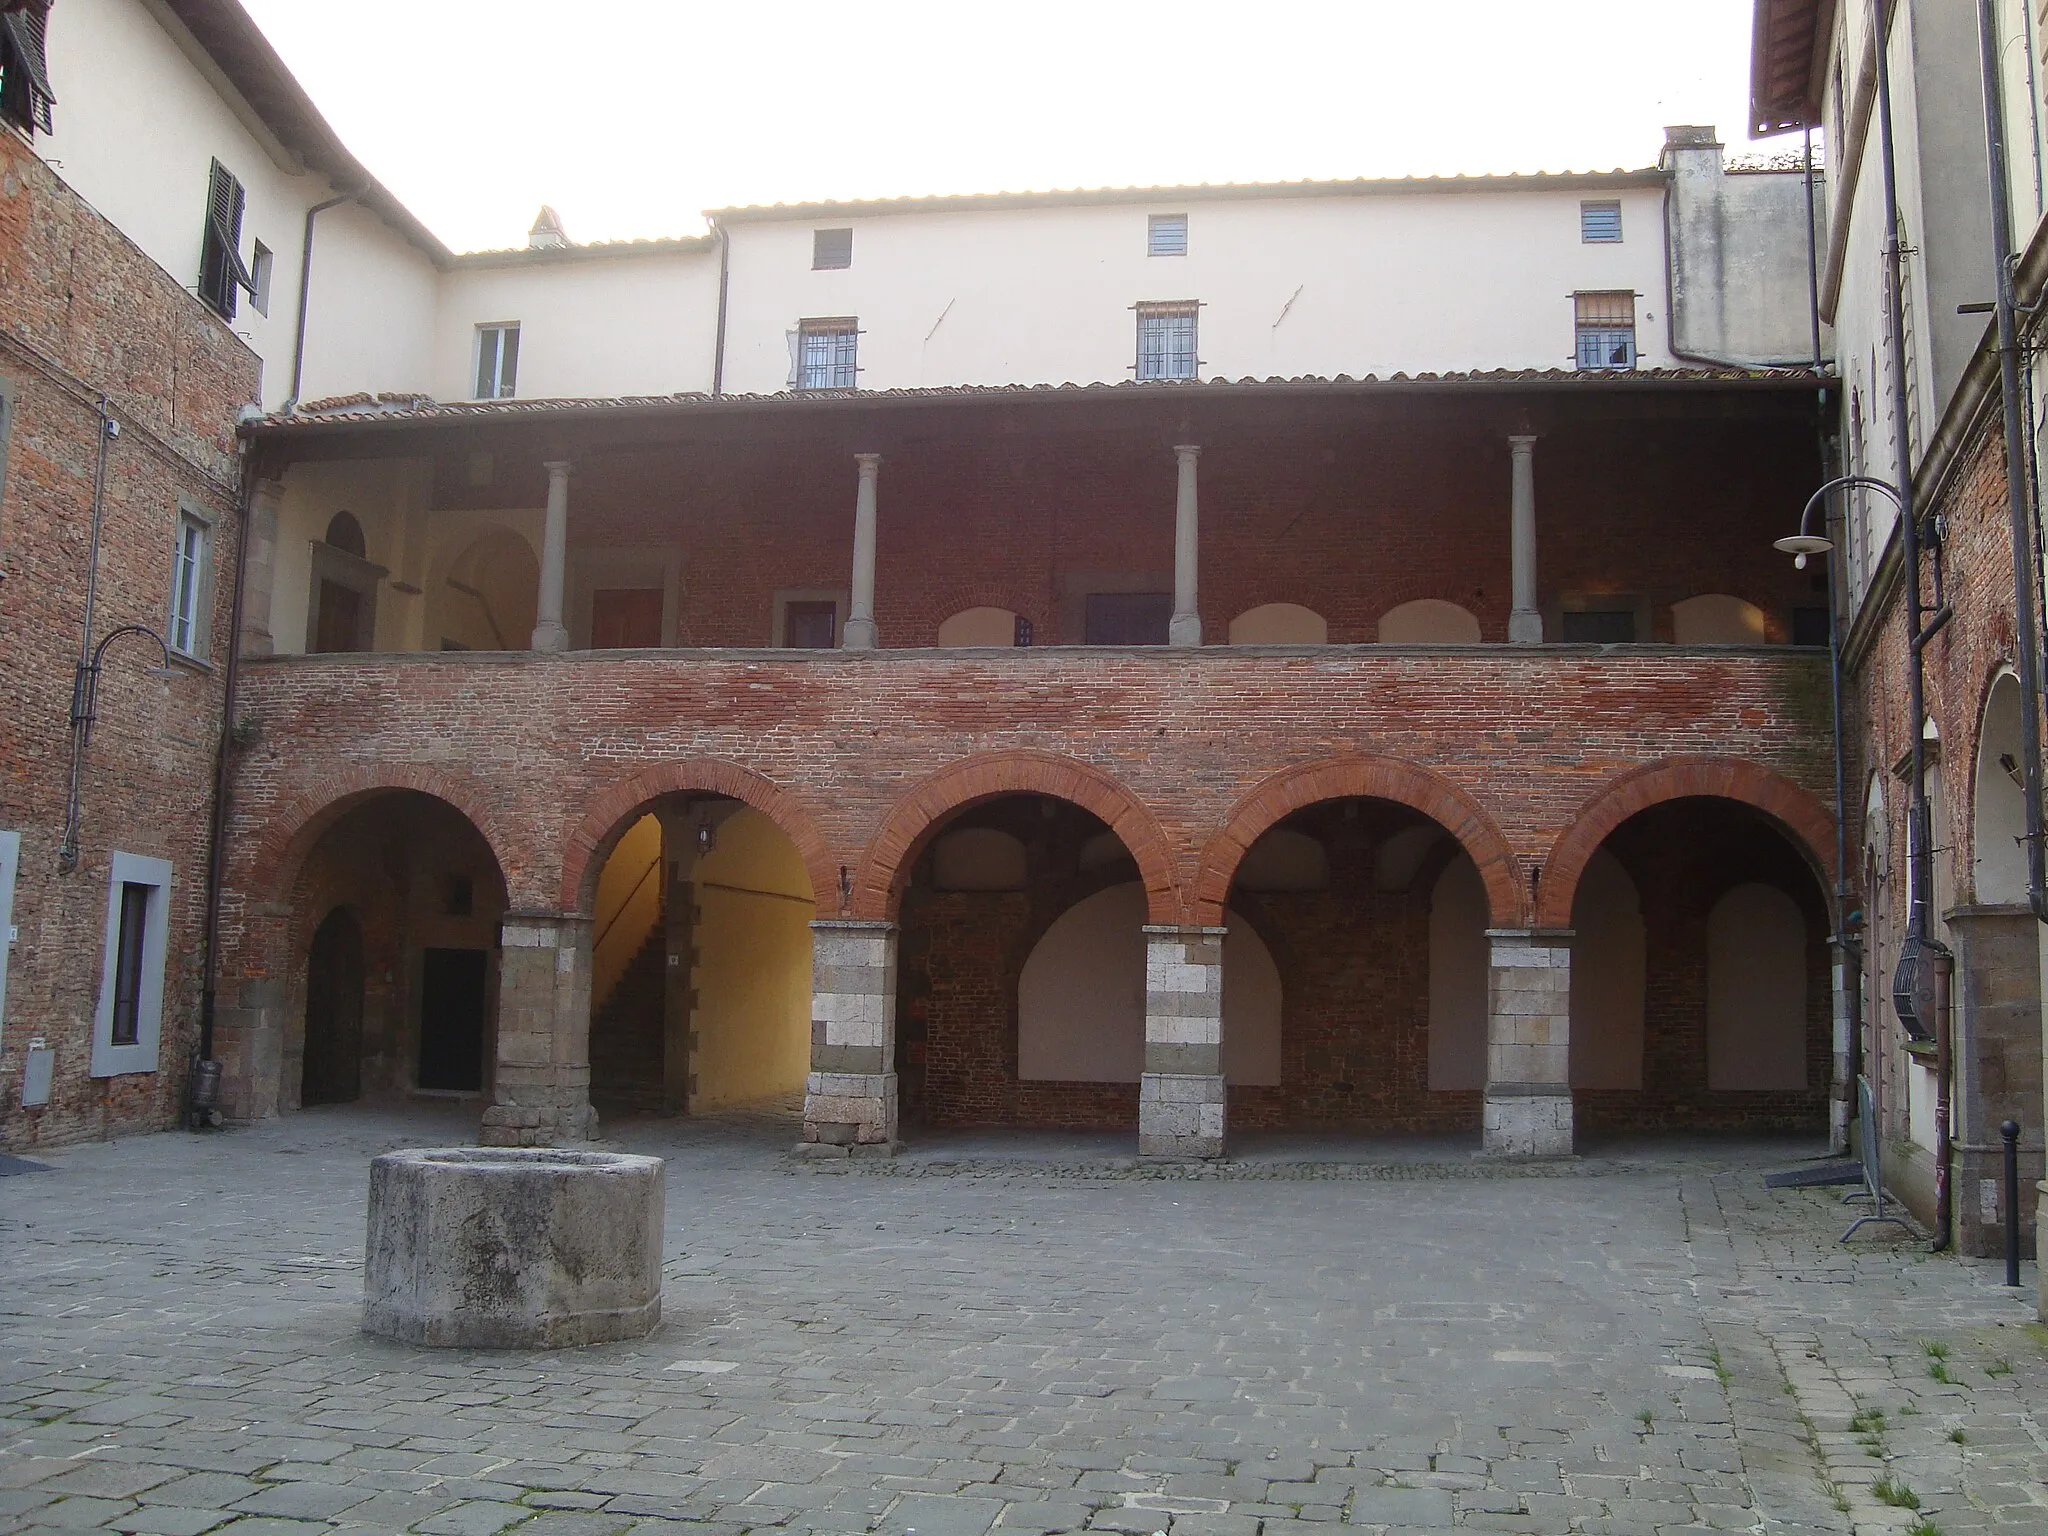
(223, 771)
(724, 279)
(67, 846)
(1919, 827)
(306, 294)
(2016, 479)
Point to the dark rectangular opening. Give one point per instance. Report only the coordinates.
(625, 618)
(1128, 618)
(452, 1009)
(811, 626)
(1599, 626)
(831, 248)
(134, 925)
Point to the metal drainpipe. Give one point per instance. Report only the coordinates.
(109, 429)
(223, 764)
(306, 293)
(1919, 838)
(718, 339)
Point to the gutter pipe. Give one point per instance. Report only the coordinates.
(306, 294)
(724, 279)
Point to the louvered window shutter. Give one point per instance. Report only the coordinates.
(221, 270)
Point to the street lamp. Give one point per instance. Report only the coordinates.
(85, 694)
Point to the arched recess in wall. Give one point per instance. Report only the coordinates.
(1081, 997)
(1998, 821)
(1756, 990)
(980, 626)
(1460, 969)
(1715, 618)
(1607, 986)
(345, 533)
(1279, 624)
(1428, 621)
(487, 598)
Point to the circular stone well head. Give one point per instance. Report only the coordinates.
(513, 1247)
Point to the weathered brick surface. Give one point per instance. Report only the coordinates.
(82, 314)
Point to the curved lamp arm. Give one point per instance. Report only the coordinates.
(1806, 542)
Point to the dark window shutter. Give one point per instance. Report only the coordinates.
(221, 270)
(25, 94)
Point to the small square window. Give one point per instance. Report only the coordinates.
(831, 248)
(1166, 234)
(497, 361)
(811, 625)
(826, 352)
(1166, 341)
(1606, 325)
(1600, 223)
(189, 567)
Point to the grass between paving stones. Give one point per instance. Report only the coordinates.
(1898, 1495)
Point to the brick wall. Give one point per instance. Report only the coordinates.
(83, 312)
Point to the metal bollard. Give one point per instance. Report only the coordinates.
(2011, 1132)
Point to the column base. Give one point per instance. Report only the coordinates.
(550, 639)
(1525, 627)
(1528, 1120)
(1184, 629)
(544, 1117)
(850, 1109)
(859, 635)
(1180, 1115)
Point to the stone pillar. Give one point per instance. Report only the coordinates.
(1841, 1086)
(1525, 623)
(549, 633)
(1185, 628)
(1528, 1043)
(860, 620)
(850, 1098)
(266, 497)
(540, 1092)
(1181, 1097)
(1997, 1064)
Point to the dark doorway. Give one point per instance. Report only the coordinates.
(334, 1013)
(1127, 618)
(339, 623)
(452, 1007)
(625, 618)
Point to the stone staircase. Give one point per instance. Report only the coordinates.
(626, 1034)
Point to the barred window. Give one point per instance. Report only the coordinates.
(825, 355)
(1166, 341)
(1606, 325)
(1600, 223)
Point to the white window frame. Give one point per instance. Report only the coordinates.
(501, 387)
(109, 1059)
(10, 866)
(262, 262)
(193, 521)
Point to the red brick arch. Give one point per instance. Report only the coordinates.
(878, 887)
(1798, 814)
(1373, 778)
(988, 595)
(613, 810)
(299, 817)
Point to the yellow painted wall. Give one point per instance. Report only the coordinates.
(635, 902)
(753, 976)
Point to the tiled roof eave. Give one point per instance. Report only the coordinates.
(387, 411)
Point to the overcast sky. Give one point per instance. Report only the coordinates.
(632, 116)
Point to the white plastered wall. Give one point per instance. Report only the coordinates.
(1357, 284)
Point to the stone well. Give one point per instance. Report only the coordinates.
(513, 1247)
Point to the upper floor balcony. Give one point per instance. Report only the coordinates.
(1544, 509)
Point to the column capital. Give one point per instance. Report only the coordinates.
(1187, 450)
(268, 488)
(1522, 442)
(869, 462)
(557, 467)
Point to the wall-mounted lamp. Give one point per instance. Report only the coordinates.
(85, 697)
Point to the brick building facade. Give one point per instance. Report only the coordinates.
(118, 390)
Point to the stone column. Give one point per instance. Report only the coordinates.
(540, 1092)
(265, 500)
(860, 620)
(1185, 627)
(549, 633)
(1996, 1054)
(1528, 1043)
(1525, 623)
(1181, 1097)
(850, 1098)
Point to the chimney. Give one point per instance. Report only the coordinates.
(547, 233)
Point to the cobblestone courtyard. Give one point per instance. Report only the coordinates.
(1651, 1343)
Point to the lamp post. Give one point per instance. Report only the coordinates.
(85, 694)
(1920, 979)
